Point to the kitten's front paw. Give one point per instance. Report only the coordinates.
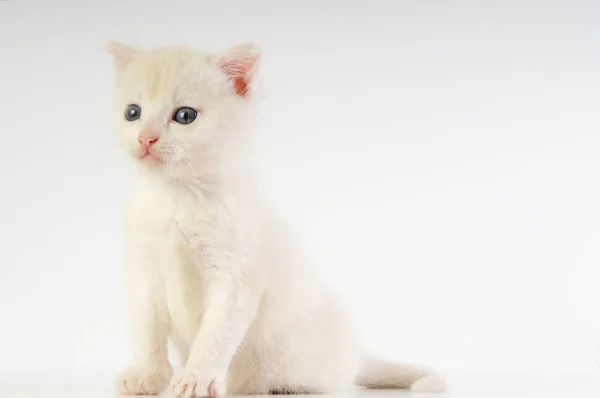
(141, 381)
(189, 385)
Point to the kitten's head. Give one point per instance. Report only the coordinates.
(184, 113)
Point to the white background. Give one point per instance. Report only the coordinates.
(440, 158)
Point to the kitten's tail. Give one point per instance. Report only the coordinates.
(377, 373)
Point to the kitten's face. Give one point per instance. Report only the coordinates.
(180, 111)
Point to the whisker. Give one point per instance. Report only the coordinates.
(187, 158)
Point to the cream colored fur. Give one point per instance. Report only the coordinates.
(211, 267)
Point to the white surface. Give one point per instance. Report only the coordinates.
(441, 159)
(473, 386)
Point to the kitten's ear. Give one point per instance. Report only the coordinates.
(240, 64)
(123, 54)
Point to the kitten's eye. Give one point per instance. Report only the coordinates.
(185, 115)
(133, 112)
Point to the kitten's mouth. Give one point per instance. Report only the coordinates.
(150, 157)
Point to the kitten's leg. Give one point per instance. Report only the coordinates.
(231, 305)
(150, 371)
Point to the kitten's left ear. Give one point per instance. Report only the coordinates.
(123, 54)
(240, 64)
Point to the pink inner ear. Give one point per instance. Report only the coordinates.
(240, 70)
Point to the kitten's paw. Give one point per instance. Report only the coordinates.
(188, 385)
(141, 381)
(431, 383)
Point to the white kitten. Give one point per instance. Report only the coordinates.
(211, 266)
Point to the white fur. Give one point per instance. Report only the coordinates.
(211, 266)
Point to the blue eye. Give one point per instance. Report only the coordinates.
(133, 112)
(185, 115)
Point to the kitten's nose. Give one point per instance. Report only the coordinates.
(147, 140)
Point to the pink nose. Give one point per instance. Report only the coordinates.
(147, 141)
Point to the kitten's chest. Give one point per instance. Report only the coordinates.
(194, 230)
(201, 227)
(184, 231)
